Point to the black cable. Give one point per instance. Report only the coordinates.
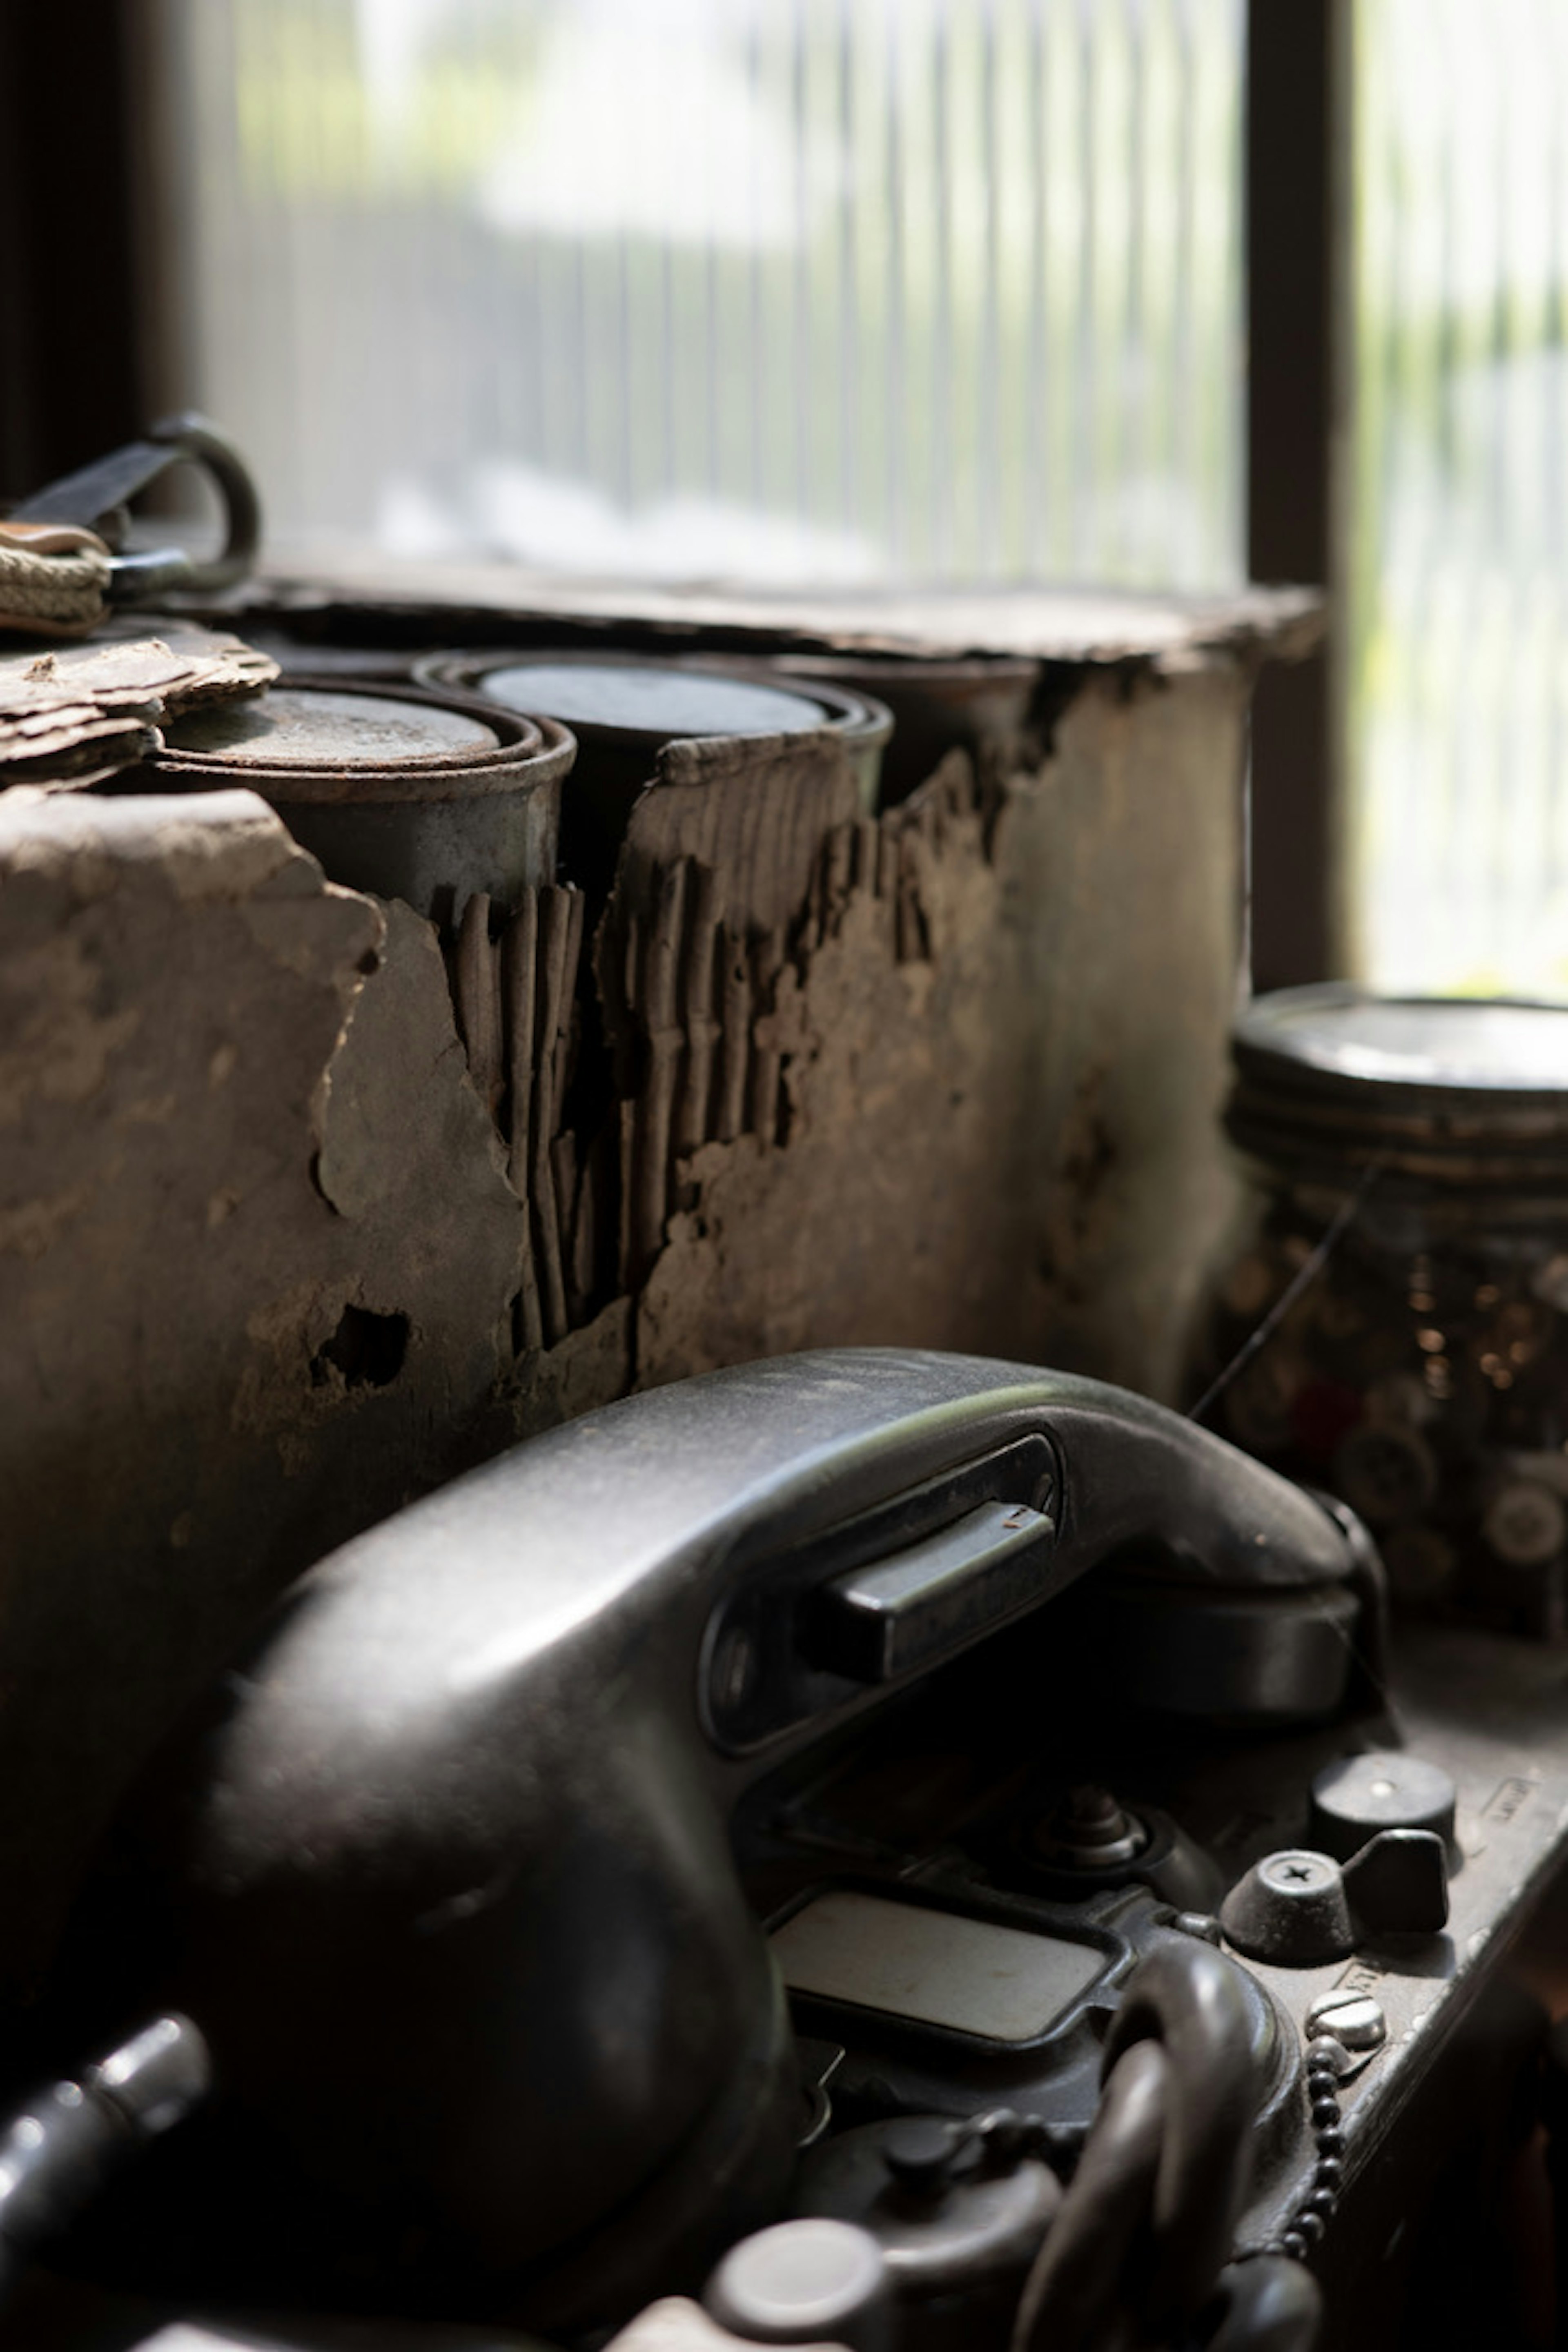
(1186, 1997)
(1149, 2219)
(1267, 2306)
(1306, 1274)
(1080, 2276)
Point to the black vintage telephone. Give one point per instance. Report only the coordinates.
(446, 1873)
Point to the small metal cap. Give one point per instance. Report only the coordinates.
(1525, 1523)
(813, 2281)
(1386, 1790)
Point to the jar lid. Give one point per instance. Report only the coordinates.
(1462, 1089)
(651, 698)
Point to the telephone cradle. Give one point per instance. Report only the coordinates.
(871, 1848)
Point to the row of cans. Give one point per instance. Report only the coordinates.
(452, 773)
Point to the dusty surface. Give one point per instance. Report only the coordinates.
(1075, 624)
(302, 1209)
(74, 714)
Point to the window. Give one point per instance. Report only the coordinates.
(1461, 691)
(775, 291)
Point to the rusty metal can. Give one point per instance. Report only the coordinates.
(641, 720)
(1407, 1252)
(996, 707)
(430, 797)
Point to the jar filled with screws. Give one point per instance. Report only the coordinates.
(1393, 1326)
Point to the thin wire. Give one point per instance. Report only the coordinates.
(1305, 1275)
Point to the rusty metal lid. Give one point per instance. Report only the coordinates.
(335, 739)
(647, 700)
(651, 698)
(1467, 1089)
(987, 705)
(312, 726)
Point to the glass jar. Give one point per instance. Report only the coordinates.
(1403, 1279)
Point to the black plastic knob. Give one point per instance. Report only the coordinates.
(1355, 1800)
(919, 2150)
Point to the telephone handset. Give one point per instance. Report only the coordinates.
(444, 1871)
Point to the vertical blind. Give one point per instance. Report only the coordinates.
(777, 291)
(765, 290)
(1460, 696)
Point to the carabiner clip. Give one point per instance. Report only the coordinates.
(95, 499)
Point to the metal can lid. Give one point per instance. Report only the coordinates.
(318, 741)
(650, 699)
(313, 726)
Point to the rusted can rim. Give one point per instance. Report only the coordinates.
(525, 752)
(955, 677)
(857, 721)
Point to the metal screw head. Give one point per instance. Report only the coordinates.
(1295, 1873)
(1353, 2019)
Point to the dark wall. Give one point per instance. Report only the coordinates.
(71, 356)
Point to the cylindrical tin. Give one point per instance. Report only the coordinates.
(637, 717)
(429, 797)
(987, 706)
(1421, 1370)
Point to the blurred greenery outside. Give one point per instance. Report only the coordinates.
(1459, 547)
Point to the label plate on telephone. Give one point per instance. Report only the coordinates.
(938, 1968)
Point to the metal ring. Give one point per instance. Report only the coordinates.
(198, 439)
